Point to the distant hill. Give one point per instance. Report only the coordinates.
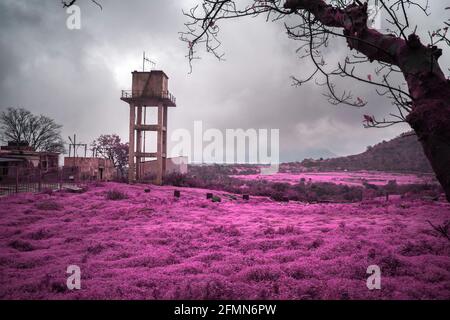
(401, 154)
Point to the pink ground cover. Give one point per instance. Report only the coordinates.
(155, 246)
(351, 178)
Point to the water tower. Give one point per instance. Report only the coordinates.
(149, 89)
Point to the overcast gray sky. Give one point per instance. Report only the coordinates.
(75, 76)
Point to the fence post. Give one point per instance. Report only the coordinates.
(17, 179)
(39, 180)
(60, 179)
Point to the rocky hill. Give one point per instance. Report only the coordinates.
(401, 154)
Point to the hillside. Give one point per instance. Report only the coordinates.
(401, 154)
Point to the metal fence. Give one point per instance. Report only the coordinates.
(17, 179)
(149, 94)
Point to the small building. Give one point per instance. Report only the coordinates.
(23, 156)
(173, 165)
(91, 168)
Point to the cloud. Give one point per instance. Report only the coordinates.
(76, 76)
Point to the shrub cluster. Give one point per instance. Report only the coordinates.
(306, 192)
(116, 195)
(217, 177)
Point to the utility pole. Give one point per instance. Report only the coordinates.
(74, 145)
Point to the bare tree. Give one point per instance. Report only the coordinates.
(405, 70)
(69, 3)
(40, 132)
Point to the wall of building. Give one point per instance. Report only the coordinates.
(153, 83)
(173, 165)
(92, 168)
(30, 159)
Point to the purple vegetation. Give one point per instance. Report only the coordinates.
(139, 245)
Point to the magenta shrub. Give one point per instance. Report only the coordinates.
(47, 191)
(21, 245)
(41, 234)
(49, 205)
(259, 274)
(116, 195)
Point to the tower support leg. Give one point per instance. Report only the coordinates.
(131, 164)
(160, 146)
(139, 144)
(164, 141)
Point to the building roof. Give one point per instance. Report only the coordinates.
(21, 153)
(11, 160)
(152, 71)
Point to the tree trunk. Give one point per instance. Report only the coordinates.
(430, 119)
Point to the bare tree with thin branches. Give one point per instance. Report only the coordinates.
(18, 125)
(406, 70)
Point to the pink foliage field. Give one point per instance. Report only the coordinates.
(152, 245)
(351, 178)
